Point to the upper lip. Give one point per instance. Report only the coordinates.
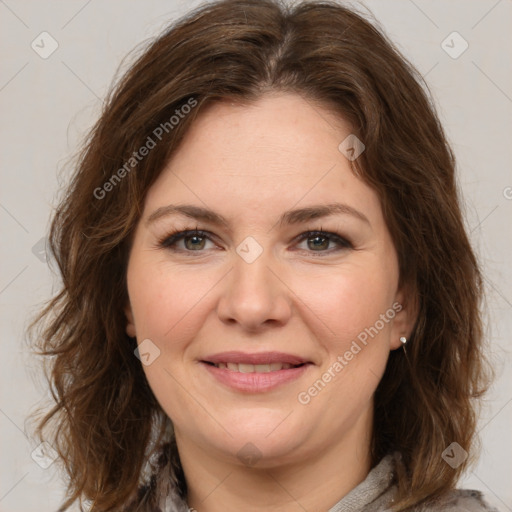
(255, 358)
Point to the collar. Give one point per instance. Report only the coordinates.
(374, 493)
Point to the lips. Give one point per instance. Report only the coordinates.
(254, 368)
(264, 362)
(255, 372)
(261, 358)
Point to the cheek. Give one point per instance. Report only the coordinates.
(354, 339)
(169, 308)
(165, 299)
(348, 301)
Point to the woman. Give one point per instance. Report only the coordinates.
(269, 300)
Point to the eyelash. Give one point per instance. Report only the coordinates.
(169, 241)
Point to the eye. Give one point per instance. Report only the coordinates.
(195, 240)
(319, 241)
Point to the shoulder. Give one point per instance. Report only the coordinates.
(455, 500)
(472, 501)
(459, 500)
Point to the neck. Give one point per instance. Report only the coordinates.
(315, 482)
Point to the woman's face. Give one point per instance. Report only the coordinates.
(260, 341)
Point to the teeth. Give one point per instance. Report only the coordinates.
(262, 368)
(254, 368)
(279, 366)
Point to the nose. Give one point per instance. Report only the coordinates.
(254, 295)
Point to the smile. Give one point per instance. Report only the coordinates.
(254, 368)
(255, 373)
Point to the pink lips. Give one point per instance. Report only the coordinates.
(254, 381)
(260, 358)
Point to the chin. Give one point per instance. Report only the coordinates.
(256, 438)
(263, 452)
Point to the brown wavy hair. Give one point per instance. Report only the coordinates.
(102, 422)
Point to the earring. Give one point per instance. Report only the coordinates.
(403, 339)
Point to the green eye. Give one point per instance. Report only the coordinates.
(194, 240)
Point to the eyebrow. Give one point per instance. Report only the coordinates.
(296, 216)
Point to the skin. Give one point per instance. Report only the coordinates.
(250, 163)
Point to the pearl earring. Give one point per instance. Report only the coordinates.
(403, 339)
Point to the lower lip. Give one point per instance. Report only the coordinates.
(256, 382)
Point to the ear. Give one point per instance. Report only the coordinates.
(406, 307)
(130, 324)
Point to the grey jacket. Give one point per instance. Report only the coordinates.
(374, 494)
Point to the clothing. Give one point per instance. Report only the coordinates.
(374, 494)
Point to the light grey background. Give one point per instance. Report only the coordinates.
(48, 104)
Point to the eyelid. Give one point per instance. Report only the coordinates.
(343, 242)
(177, 235)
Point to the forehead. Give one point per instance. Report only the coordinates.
(281, 130)
(268, 155)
